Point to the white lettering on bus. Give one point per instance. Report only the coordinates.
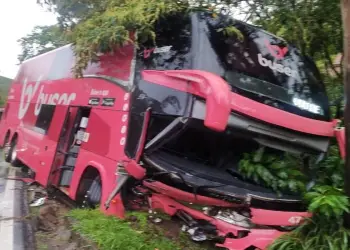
(29, 91)
(311, 107)
(277, 66)
(99, 92)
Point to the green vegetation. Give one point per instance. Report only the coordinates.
(288, 172)
(42, 39)
(93, 26)
(4, 80)
(312, 236)
(325, 199)
(280, 173)
(4, 88)
(134, 232)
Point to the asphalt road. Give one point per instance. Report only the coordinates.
(3, 175)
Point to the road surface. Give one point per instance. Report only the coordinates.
(13, 230)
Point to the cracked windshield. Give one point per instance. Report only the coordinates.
(175, 125)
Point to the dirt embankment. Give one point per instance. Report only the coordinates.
(52, 226)
(57, 226)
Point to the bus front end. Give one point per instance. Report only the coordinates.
(203, 101)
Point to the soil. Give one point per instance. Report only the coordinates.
(171, 227)
(53, 229)
(51, 226)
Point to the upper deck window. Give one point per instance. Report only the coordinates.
(172, 47)
(260, 65)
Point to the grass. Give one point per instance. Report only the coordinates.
(133, 233)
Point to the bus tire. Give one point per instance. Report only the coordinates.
(93, 194)
(6, 139)
(7, 148)
(12, 154)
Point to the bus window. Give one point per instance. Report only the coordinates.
(44, 118)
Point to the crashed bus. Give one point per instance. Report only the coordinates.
(165, 126)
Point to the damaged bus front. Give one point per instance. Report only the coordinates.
(214, 91)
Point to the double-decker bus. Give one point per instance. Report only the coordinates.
(165, 126)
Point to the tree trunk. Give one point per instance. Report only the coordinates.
(345, 5)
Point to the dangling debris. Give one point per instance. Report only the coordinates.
(157, 220)
(39, 202)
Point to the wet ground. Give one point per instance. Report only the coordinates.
(47, 223)
(51, 226)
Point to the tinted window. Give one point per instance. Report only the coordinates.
(43, 121)
(252, 55)
(173, 45)
(263, 56)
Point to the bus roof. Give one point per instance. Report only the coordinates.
(58, 63)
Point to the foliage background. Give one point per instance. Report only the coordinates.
(4, 88)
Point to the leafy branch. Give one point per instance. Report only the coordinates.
(326, 200)
(328, 203)
(315, 234)
(280, 173)
(115, 26)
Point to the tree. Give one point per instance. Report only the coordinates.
(315, 26)
(346, 65)
(42, 39)
(103, 25)
(72, 11)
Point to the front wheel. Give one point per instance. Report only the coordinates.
(7, 149)
(12, 154)
(92, 197)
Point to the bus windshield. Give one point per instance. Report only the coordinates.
(262, 66)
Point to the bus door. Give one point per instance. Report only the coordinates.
(68, 146)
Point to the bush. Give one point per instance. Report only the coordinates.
(328, 203)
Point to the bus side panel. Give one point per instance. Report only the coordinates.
(29, 141)
(106, 168)
(107, 133)
(38, 67)
(37, 150)
(9, 120)
(12, 114)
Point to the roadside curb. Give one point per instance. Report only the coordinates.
(21, 209)
(15, 228)
(7, 237)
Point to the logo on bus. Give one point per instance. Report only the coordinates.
(30, 90)
(276, 66)
(276, 51)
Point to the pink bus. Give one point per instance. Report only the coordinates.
(165, 126)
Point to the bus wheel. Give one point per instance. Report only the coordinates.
(7, 148)
(92, 197)
(12, 153)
